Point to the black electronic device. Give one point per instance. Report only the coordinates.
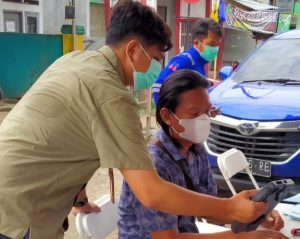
(272, 193)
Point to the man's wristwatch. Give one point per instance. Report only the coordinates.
(81, 202)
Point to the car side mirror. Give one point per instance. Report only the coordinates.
(225, 72)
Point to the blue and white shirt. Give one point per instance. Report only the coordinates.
(137, 221)
(189, 59)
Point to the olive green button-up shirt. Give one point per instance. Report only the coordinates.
(77, 117)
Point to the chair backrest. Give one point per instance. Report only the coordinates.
(230, 163)
(98, 225)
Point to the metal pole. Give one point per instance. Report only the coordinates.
(74, 27)
(148, 117)
(106, 12)
(188, 25)
(215, 68)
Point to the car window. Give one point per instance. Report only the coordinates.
(276, 59)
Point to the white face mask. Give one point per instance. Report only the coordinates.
(196, 130)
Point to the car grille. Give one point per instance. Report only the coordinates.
(271, 146)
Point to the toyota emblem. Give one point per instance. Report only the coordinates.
(247, 128)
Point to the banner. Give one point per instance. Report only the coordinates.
(297, 8)
(264, 21)
(298, 22)
(284, 22)
(215, 12)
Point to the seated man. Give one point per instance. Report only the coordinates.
(178, 154)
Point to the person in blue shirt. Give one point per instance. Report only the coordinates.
(179, 157)
(206, 35)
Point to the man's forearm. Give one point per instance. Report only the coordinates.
(193, 203)
(153, 192)
(170, 198)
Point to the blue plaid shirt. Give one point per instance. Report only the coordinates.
(137, 221)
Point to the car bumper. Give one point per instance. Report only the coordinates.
(242, 182)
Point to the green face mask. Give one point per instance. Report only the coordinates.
(209, 53)
(144, 80)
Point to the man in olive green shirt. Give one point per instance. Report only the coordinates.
(79, 116)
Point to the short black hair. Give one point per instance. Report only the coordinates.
(175, 84)
(133, 19)
(201, 27)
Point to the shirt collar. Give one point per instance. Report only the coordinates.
(113, 59)
(169, 145)
(173, 149)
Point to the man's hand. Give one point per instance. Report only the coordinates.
(245, 210)
(89, 207)
(274, 221)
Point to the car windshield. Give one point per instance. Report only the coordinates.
(277, 60)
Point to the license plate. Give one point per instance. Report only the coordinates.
(260, 167)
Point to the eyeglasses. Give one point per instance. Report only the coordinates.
(214, 111)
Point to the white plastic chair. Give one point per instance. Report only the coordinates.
(98, 225)
(230, 163)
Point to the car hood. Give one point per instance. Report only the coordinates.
(253, 101)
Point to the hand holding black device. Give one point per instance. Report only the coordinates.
(272, 193)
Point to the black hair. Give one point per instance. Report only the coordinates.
(133, 19)
(201, 27)
(175, 84)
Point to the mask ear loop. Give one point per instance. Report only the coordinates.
(178, 123)
(131, 61)
(174, 115)
(132, 66)
(130, 88)
(145, 52)
(203, 47)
